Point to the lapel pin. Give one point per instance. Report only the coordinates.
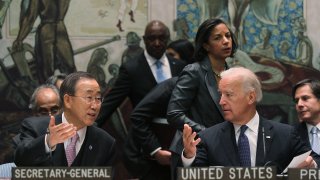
(90, 147)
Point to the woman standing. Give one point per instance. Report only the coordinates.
(195, 99)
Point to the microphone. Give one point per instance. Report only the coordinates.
(264, 145)
(274, 164)
(268, 163)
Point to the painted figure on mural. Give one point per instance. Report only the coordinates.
(114, 71)
(266, 11)
(53, 49)
(4, 5)
(304, 51)
(98, 59)
(264, 48)
(284, 49)
(122, 11)
(134, 48)
(180, 25)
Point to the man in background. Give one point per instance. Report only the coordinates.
(138, 76)
(306, 95)
(45, 101)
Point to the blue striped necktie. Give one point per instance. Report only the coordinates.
(244, 148)
(159, 72)
(315, 140)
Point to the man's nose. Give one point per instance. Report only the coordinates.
(221, 102)
(299, 103)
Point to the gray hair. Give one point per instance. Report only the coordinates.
(250, 81)
(33, 100)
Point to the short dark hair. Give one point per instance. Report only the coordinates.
(184, 48)
(314, 85)
(54, 78)
(203, 35)
(70, 82)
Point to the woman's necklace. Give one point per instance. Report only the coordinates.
(216, 74)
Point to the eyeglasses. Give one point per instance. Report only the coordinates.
(48, 111)
(90, 99)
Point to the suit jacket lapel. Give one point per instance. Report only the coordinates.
(143, 63)
(173, 67)
(303, 132)
(59, 155)
(85, 154)
(262, 150)
(211, 83)
(230, 146)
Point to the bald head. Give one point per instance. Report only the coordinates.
(156, 24)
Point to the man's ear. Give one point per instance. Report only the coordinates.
(67, 99)
(252, 97)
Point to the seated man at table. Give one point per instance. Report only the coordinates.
(245, 138)
(306, 95)
(44, 101)
(68, 139)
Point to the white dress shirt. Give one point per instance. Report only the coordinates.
(81, 133)
(165, 65)
(309, 127)
(251, 133)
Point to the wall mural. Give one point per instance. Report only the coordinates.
(271, 34)
(51, 52)
(43, 36)
(272, 42)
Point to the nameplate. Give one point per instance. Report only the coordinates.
(227, 173)
(54, 173)
(302, 174)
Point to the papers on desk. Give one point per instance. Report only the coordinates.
(297, 160)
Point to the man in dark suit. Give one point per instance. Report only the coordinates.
(306, 95)
(245, 138)
(44, 101)
(138, 76)
(152, 133)
(45, 141)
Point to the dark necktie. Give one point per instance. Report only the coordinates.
(315, 140)
(159, 72)
(244, 148)
(71, 149)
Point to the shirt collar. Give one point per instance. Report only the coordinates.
(81, 132)
(151, 60)
(253, 124)
(310, 126)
